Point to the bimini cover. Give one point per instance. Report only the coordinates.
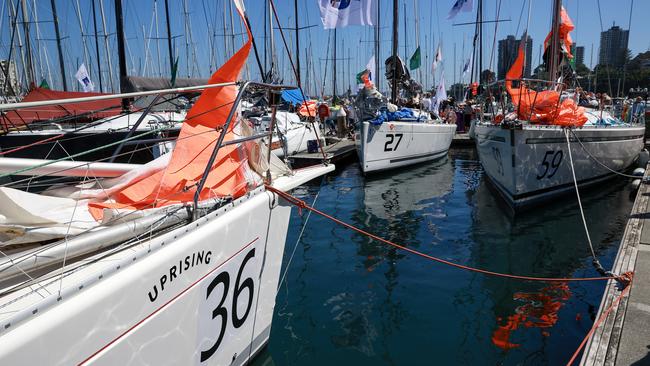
(88, 110)
(293, 96)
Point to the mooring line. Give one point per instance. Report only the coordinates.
(303, 205)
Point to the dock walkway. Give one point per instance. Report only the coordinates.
(623, 337)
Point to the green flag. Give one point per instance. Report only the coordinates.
(174, 70)
(44, 84)
(360, 76)
(414, 63)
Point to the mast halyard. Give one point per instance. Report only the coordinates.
(30, 61)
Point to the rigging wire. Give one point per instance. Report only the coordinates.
(601, 163)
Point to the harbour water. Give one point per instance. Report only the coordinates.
(347, 299)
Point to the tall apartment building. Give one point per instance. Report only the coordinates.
(508, 48)
(613, 45)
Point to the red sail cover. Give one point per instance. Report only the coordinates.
(88, 110)
(196, 141)
(541, 107)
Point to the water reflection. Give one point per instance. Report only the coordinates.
(351, 300)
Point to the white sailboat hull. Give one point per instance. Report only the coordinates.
(396, 144)
(201, 294)
(531, 164)
(296, 139)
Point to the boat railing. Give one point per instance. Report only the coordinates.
(244, 86)
(496, 102)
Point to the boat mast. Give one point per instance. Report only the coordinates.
(99, 67)
(480, 41)
(119, 25)
(417, 35)
(334, 70)
(169, 39)
(295, 12)
(377, 42)
(552, 75)
(30, 62)
(106, 46)
(393, 93)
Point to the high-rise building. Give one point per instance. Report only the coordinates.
(508, 49)
(8, 87)
(613, 45)
(579, 54)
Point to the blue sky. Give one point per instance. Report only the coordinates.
(208, 47)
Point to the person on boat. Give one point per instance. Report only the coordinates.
(323, 114)
(637, 111)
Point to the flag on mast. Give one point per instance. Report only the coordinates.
(460, 5)
(414, 62)
(438, 59)
(341, 13)
(467, 65)
(84, 79)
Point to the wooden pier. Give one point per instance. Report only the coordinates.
(462, 140)
(623, 337)
(336, 150)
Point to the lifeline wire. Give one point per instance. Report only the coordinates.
(601, 163)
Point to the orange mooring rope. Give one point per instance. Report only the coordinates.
(302, 205)
(601, 318)
(624, 279)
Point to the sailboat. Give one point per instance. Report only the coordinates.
(524, 147)
(388, 140)
(175, 261)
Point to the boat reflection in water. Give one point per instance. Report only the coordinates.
(549, 242)
(348, 299)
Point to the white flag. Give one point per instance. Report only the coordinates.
(464, 5)
(84, 79)
(441, 94)
(341, 13)
(370, 66)
(438, 59)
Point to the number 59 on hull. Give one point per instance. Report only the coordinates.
(530, 164)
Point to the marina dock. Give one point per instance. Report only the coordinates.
(623, 337)
(336, 150)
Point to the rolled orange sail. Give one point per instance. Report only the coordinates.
(195, 143)
(541, 107)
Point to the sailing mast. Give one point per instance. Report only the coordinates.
(169, 40)
(119, 25)
(58, 45)
(552, 75)
(393, 93)
(30, 62)
(334, 70)
(99, 67)
(377, 42)
(106, 46)
(295, 12)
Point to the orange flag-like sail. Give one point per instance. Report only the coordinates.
(195, 143)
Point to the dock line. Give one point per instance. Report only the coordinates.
(623, 279)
